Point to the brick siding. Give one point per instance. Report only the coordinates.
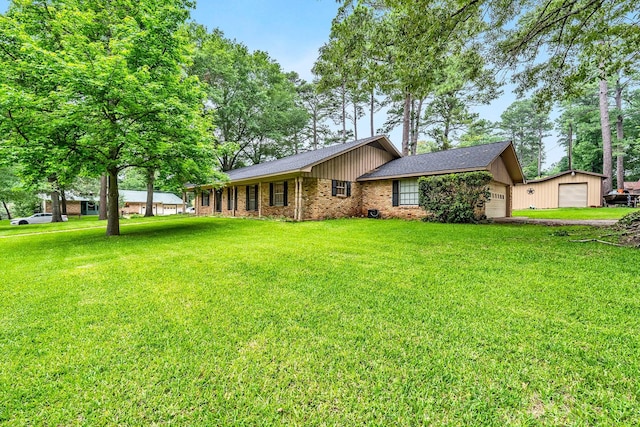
(378, 195)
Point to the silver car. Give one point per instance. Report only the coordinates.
(39, 218)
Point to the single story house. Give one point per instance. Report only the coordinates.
(367, 177)
(135, 202)
(570, 189)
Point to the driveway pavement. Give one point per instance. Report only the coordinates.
(556, 222)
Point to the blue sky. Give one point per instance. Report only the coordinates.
(292, 31)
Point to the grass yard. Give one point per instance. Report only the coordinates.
(204, 321)
(575, 213)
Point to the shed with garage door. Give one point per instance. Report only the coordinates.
(570, 189)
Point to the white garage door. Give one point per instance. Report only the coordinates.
(170, 210)
(497, 205)
(572, 195)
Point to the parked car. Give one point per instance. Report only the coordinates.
(39, 218)
(190, 210)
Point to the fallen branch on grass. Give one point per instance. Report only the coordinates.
(596, 240)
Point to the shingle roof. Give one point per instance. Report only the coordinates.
(158, 197)
(575, 171)
(299, 161)
(132, 196)
(466, 158)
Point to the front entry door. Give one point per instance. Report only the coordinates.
(218, 200)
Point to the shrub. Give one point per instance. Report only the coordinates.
(454, 198)
(629, 219)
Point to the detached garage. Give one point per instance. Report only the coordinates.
(571, 189)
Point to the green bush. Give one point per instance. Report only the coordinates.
(454, 198)
(629, 219)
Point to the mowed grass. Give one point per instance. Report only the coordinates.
(576, 213)
(204, 321)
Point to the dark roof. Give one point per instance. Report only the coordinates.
(466, 158)
(298, 162)
(575, 171)
(133, 196)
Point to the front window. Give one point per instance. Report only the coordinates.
(340, 188)
(278, 194)
(252, 197)
(408, 192)
(205, 199)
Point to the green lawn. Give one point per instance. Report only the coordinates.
(204, 321)
(575, 213)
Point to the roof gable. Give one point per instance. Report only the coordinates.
(573, 172)
(303, 162)
(473, 158)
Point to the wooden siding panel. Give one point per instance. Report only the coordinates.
(499, 171)
(351, 165)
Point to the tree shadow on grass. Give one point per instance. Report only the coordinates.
(174, 230)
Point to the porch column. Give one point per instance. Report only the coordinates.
(298, 203)
(259, 196)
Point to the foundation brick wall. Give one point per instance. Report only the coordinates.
(278, 211)
(318, 203)
(378, 195)
(204, 210)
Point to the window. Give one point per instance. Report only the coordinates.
(252, 198)
(204, 199)
(409, 192)
(340, 188)
(230, 203)
(278, 194)
(405, 192)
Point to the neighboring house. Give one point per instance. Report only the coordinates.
(359, 178)
(568, 189)
(77, 204)
(633, 187)
(135, 202)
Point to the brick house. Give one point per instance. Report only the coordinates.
(359, 178)
(134, 202)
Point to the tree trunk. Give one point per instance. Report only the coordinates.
(315, 131)
(102, 206)
(415, 131)
(570, 138)
(355, 120)
(55, 200)
(620, 138)
(539, 157)
(607, 154)
(6, 208)
(63, 202)
(372, 108)
(113, 216)
(406, 124)
(151, 177)
(344, 114)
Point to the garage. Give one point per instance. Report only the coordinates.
(497, 205)
(572, 195)
(567, 189)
